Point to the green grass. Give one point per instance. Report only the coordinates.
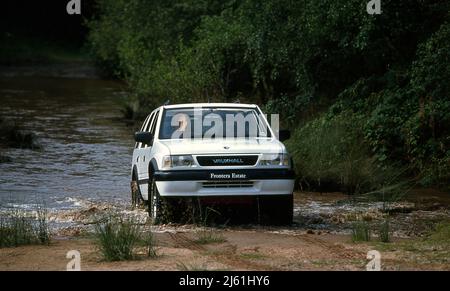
(208, 236)
(361, 231)
(118, 239)
(18, 227)
(331, 154)
(149, 243)
(384, 232)
(252, 256)
(431, 249)
(441, 233)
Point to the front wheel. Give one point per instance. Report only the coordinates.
(154, 203)
(165, 209)
(136, 197)
(275, 210)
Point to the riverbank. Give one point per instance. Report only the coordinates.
(319, 239)
(242, 250)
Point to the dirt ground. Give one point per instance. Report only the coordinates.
(318, 240)
(243, 250)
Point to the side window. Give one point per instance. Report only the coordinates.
(137, 145)
(145, 122)
(151, 124)
(145, 125)
(152, 129)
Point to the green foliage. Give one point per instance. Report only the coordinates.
(209, 236)
(149, 243)
(298, 58)
(331, 153)
(145, 42)
(441, 232)
(117, 238)
(385, 232)
(361, 231)
(18, 227)
(428, 135)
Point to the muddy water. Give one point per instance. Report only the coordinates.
(86, 148)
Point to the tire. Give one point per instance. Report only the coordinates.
(276, 210)
(154, 202)
(285, 217)
(136, 198)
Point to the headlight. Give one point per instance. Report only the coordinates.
(170, 162)
(282, 160)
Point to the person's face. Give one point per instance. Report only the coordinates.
(183, 122)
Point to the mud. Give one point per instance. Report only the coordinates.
(314, 213)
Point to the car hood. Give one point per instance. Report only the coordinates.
(225, 146)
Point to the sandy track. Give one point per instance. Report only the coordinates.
(243, 250)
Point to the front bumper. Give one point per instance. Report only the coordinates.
(244, 182)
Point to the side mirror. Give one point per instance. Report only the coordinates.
(284, 134)
(143, 137)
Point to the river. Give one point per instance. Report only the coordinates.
(86, 148)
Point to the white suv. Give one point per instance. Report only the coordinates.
(212, 150)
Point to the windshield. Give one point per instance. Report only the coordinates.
(215, 122)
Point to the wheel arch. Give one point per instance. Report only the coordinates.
(152, 167)
(134, 174)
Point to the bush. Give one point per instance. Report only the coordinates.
(18, 227)
(428, 130)
(117, 238)
(330, 153)
(384, 232)
(361, 231)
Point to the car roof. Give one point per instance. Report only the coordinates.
(233, 105)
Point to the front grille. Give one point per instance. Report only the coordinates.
(233, 184)
(218, 161)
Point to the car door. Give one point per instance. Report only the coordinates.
(137, 148)
(144, 155)
(138, 158)
(147, 153)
